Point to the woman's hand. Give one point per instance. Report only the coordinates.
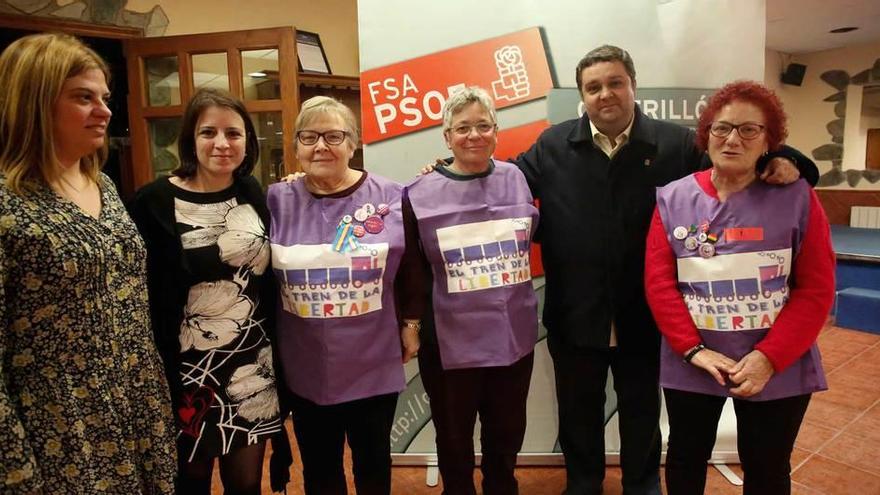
(409, 342)
(751, 374)
(290, 178)
(780, 171)
(716, 364)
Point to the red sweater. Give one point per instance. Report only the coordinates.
(799, 322)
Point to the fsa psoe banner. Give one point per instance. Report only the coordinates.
(407, 96)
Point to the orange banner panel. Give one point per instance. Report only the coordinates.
(407, 96)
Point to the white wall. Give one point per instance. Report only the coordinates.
(809, 114)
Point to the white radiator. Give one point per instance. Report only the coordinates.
(866, 217)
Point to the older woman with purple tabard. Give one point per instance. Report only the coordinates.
(740, 277)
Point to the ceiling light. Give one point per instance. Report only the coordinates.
(257, 74)
(843, 29)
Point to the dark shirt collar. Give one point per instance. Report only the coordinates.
(445, 171)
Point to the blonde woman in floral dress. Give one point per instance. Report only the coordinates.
(212, 296)
(84, 405)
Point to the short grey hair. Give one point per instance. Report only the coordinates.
(606, 53)
(463, 98)
(324, 105)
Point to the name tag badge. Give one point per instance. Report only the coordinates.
(737, 234)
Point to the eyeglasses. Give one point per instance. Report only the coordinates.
(483, 128)
(332, 138)
(748, 130)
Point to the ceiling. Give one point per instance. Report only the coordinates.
(801, 26)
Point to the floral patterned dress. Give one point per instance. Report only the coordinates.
(228, 396)
(84, 405)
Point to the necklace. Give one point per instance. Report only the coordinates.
(78, 190)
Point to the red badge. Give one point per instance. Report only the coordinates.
(735, 234)
(374, 224)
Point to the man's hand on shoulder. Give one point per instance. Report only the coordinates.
(780, 171)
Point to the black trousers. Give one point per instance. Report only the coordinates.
(321, 432)
(498, 394)
(581, 376)
(765, 431)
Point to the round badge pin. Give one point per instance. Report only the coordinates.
(374, 224)
(369, 209)
(691, 243)
(702, 237)
(382, 209)
(359, 231)
(707, 250)
(346, 219)
(680, 233)
(361, 215)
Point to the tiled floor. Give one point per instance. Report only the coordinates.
(836, 453)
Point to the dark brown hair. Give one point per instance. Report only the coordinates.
(186, 142)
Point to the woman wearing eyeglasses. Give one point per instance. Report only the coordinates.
(475, 220)
(740, 277)
(339, 251)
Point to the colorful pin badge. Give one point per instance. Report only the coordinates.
(374, 225)
(360, 215)
(369, 209)
(702, 237)
(713, 238)
(707, 250)
(382, 209)
(680, 233)
(691, 243)
(359, 231)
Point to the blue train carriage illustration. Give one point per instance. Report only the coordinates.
(764, 278)
(494, 240)
(332, 270)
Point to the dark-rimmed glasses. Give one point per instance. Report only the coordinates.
(747, 130)
(332, 138)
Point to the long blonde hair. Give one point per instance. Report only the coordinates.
(33, 70)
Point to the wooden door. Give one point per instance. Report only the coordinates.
(259, 66)
(872, 153)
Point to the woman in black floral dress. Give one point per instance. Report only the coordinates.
(212, 296)
(84, 405)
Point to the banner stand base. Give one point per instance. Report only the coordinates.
(432, 475)
(728, 474)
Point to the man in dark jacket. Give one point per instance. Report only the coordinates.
(595, 178)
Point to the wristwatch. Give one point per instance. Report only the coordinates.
(415, 325)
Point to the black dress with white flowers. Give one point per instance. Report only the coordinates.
(224, 381)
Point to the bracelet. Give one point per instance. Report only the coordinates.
(415, 325)
(693, 352)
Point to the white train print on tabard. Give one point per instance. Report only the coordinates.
(743, 291)
(485, 255)
(318, 282)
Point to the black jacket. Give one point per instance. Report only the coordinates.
(595, 214)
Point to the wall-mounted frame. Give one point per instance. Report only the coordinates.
(310, 52)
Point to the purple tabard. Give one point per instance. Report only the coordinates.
(338, 335)
(476, 234)
(735, 294)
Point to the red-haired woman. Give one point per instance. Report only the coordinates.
(740, 277)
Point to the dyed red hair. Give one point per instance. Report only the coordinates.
(750, 92)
